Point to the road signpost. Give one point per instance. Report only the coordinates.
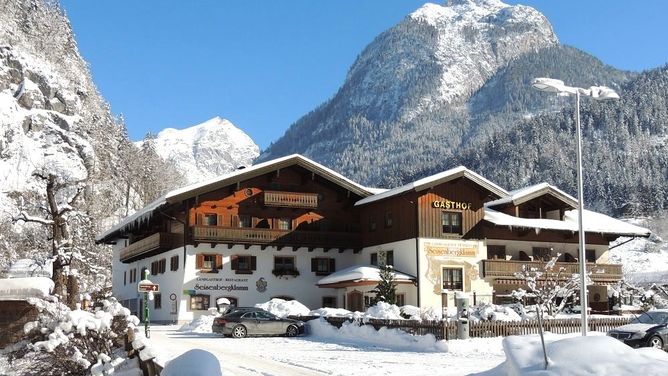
(147, 287)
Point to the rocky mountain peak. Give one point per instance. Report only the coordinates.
(206, 150)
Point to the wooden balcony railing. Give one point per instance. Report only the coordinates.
(160, 241)
(261, 236)
(291, 199)
(508, 268)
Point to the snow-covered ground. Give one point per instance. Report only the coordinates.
(330, 354)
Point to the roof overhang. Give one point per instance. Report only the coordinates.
(593, 222)
(179, 195)
(435, 180)
(520, 196)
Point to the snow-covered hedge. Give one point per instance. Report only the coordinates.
(74, 342)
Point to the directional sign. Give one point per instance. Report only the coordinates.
(148, 287)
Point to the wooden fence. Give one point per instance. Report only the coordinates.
(448, 329)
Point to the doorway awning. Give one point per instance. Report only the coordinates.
(360, 275)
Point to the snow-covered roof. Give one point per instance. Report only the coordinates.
(192, 190)
(523, 195)
(24, 288)
(593, 222)
(434, 180)
(30, 268)
(361, 273)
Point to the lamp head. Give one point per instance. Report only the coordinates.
(549, 85)
(602, 93)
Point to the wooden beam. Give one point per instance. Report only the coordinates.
(310, 249)
(263, 247)
(230, 245)
(341, 250)
(246, 246)
(325, 249)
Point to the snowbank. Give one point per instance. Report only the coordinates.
(331, 312)
(284, 308)
(195, 362)
(24, 288)
(200, 324)
(591, 355)
(384, 310)
(351, 333)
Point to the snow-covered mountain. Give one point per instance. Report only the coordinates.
(206, 150)
(408, 88)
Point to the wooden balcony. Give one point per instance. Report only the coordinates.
(291, 199)
(279, 238)
(508, 268)
(156, 243)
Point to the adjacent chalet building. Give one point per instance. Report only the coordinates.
(294, 229)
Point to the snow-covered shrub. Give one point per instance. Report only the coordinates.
(74, 342)
(493, 312)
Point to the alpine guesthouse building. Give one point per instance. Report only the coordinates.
(294, 229)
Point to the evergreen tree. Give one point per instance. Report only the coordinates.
(386, 290)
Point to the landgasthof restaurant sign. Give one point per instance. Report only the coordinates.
(447, 204)
(454, 249)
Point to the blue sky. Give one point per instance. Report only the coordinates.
(264, 64)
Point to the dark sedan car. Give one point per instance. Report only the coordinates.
(255, 321)
(647, 330)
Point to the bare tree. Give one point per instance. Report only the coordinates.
(57, 216)
(550, 288)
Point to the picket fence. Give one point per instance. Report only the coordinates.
(447, 329)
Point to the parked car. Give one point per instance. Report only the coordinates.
(245, 322)
(650, 329)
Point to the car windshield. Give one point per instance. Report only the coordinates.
(652, 318)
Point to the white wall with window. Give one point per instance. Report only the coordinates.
(448, 266)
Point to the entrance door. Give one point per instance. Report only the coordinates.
(355, 301)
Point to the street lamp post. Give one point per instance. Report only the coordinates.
(599, 93)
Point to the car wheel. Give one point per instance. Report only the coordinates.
(656, 342)
(292, 331)
(239, 331)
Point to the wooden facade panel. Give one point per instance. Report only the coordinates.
(403, 212)
(333, 210)
(458, 191)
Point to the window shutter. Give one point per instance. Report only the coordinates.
(332, 265)
(235, 262)
(253, 263)
(125, 275)
(199, 261)
(219, 223)
(314, 264)
(234, 221)
(200, 218)
(219, 262)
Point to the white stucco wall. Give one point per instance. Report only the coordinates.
(241, 286)
(404, 261)
(465, 254)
